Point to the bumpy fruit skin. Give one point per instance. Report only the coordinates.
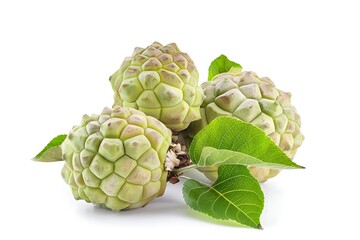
(162, 82)
(254, 100)
(116, 159)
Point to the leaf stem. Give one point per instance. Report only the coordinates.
(184, 177)
(190, 178)
(184, 169)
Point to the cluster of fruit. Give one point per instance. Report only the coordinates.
(122, 157)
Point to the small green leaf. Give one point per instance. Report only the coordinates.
(235, 195)
(227, 140)
(222, 64)
(52, 151)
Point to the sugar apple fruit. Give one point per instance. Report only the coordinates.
(255, 100)
(116, 159)
(162, 82)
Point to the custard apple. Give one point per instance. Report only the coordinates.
(116, 159)
(162, 82)
(255, 100)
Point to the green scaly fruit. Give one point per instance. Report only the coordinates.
(162, 82)
(255, 100)
(116, 159)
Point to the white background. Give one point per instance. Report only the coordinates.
(55, 60)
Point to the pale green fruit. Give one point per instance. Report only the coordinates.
(162, 82)
(116, 159)
(254, 100)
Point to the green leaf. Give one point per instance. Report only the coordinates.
(212, 156)
(236, 195)
(222, 64)
(52, 151)
(227, 140)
